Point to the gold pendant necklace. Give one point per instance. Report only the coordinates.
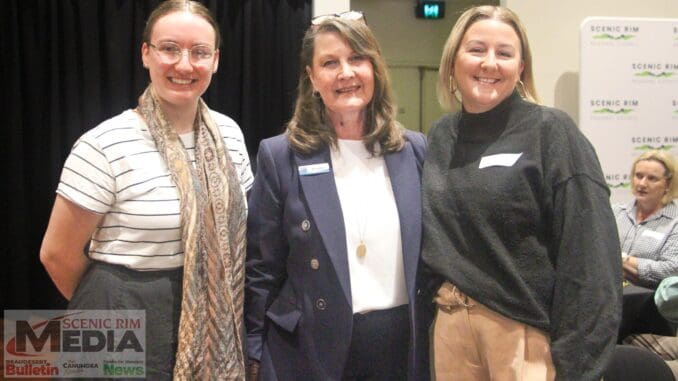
(361, 250)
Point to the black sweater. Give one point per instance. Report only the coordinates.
(535, 240)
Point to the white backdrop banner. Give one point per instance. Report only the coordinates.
(628, 92)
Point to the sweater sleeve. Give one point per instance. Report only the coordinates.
(586, 309)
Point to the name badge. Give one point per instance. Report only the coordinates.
(499, 160)
(653, 234)
(314, 169)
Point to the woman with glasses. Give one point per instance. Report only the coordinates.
(647, 224)
(517, 224)
(158, 193)
(334, 223)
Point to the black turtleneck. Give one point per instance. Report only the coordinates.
(534, 239)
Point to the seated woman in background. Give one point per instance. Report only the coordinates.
(647, 224)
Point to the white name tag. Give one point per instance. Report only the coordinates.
(653, 234)
(499, 160)
(314, 169)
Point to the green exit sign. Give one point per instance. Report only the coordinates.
(432, 10)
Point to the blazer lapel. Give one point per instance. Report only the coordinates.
(321, 195)
(404, 175)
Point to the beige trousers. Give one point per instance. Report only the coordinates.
(472, 342)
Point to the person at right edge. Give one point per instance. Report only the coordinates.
(517, 221)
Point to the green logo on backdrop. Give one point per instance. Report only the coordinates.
(647, 147)
(611, 111)
(607, 36)
(663, 74)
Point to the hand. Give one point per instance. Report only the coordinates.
(630, 267)
(252, 370)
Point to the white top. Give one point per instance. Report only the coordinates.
(115, 170)
(370, 215)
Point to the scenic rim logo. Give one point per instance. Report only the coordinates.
(647, 147)
(619, 185)
(607, 110)
(607, 36)
(663, 74)
(654, 70)
(82, 344)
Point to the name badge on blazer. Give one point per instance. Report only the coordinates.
(314, 169)
(499, 160)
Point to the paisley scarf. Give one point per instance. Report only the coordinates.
(213, 221)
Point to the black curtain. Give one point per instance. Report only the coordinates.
(67, 65)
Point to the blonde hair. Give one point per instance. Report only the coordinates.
(665, 159)
(171, 6)
(310, 128)
(446, 89)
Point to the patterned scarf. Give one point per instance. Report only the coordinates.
(213, 220)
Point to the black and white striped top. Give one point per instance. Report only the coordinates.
(115, 170)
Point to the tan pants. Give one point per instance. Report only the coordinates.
(664, 346)
(472, 342)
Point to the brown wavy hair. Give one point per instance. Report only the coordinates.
(446, 98)
(310, 127)
(171, 6)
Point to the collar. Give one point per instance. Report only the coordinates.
(669, 210)
(490, 124)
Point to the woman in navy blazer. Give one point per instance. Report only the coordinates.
(335, 223)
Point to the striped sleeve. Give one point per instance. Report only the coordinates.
(87, 177)
(235, 143)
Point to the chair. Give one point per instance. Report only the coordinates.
(630, 363)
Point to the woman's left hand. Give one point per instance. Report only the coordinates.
(630, 266)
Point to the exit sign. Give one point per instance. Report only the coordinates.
(430, 10)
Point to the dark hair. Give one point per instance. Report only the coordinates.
(171, 6)
(309, 128)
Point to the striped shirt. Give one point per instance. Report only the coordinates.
(115, 170)
(654, 241)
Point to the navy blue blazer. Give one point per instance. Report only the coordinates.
(298, 310)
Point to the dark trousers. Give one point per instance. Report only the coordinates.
(105, 286)
(379, 346)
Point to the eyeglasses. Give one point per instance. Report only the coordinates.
(171, 53)
(348, 15)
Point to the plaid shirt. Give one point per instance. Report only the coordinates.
(654, 241)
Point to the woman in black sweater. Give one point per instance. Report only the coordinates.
(518, 228)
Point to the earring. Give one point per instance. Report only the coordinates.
(522, 90)
(316, 94)
(453, 90)
(453, 87)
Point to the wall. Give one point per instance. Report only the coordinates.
(553, 30)
(412, 49)
(552, 26)
(324, 7)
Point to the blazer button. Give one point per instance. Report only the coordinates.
(305, 225)
(320, 304)
(315, 264)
